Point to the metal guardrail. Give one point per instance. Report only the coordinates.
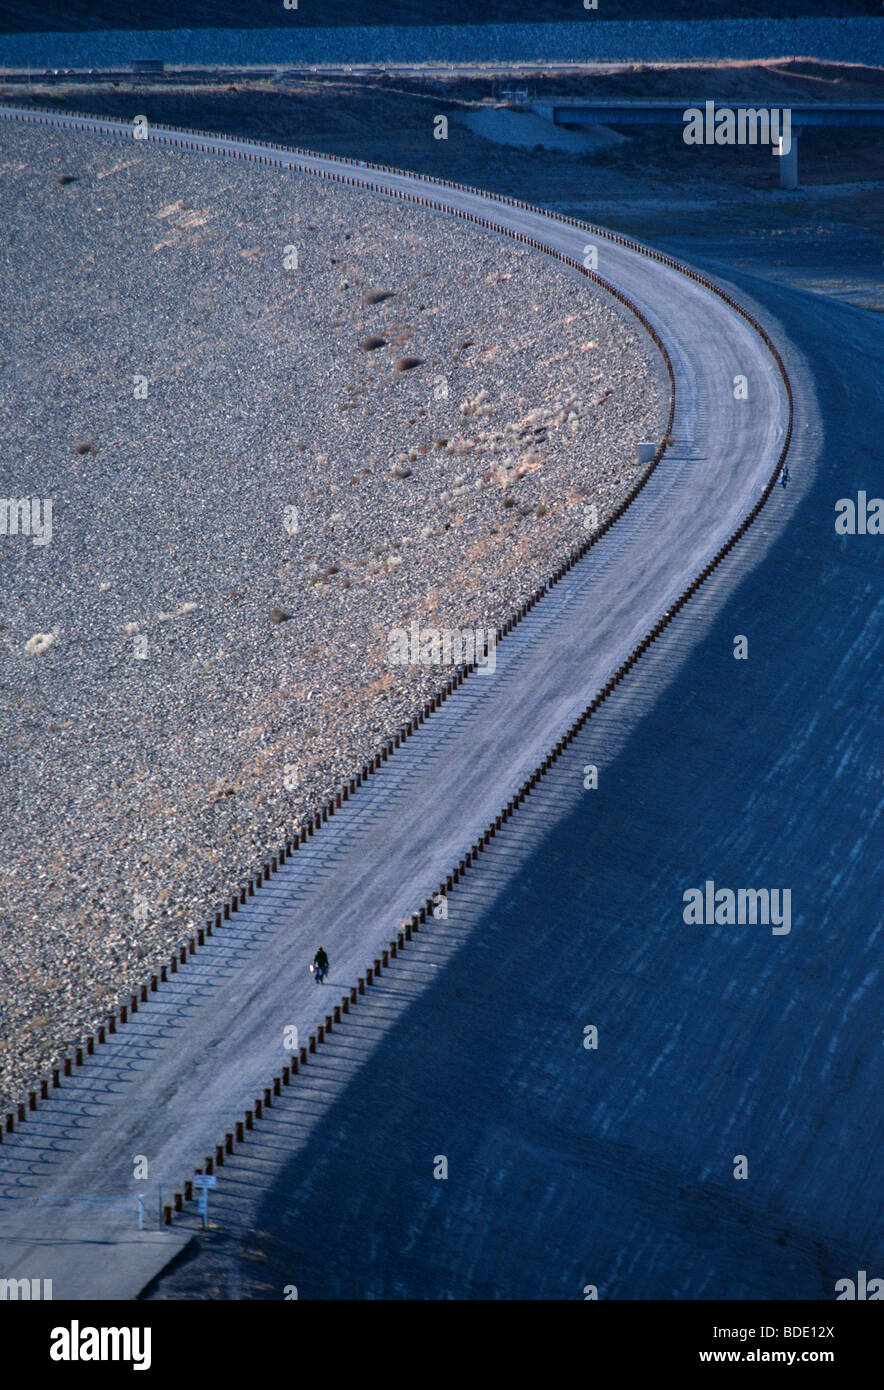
(254, 151)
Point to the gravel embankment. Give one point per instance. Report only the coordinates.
(137, 790)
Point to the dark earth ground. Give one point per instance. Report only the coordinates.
(714, 203)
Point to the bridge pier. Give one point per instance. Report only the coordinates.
(789, 164)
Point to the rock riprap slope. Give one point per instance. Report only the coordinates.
(275, 419)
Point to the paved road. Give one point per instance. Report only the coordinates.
(173, 1081)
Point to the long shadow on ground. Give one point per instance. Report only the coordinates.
(614, 1167)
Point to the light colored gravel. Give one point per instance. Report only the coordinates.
(136, 791)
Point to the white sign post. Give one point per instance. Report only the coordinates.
(204, 1183)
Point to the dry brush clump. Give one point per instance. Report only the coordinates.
(376, 297)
